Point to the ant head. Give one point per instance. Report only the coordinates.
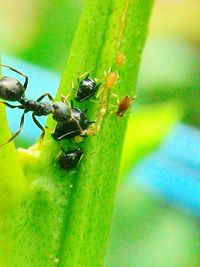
(61, 112)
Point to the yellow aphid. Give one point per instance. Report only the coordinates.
(120, 58)
(111, 79)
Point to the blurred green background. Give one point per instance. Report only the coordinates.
(147, 230)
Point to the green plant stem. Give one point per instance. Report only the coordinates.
(125, 28)
(66, 217)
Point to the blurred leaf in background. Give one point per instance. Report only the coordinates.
(146, 129)
(176, 18)
(56, 25)
(40, 32)
(171, 62)
(17, 20)
(147, 231)
(169, 73)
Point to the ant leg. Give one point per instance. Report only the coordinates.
(20, 73)
(39, 126)
(20, 129)
(42, 96)
(11, 106)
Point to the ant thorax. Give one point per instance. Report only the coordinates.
(39, 108)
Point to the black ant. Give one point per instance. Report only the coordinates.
(12, 90)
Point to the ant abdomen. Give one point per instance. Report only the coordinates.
(11, 89)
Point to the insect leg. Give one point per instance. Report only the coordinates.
(42, 96)
(39, 126)
(11, 106)
(20, 73)
(64, 99)
(100, 91)
(20, 129)
(117, 98)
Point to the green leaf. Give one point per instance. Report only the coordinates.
(148, 231)
(13, 189)
(65, 219)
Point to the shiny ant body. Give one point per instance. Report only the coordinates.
(87, 88)
(12, 90)
(71, 128)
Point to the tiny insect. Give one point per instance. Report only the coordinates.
(111, 79)
(120, 58)
(124, 105)
(87, 88)
(72, 128)
(70, 159)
